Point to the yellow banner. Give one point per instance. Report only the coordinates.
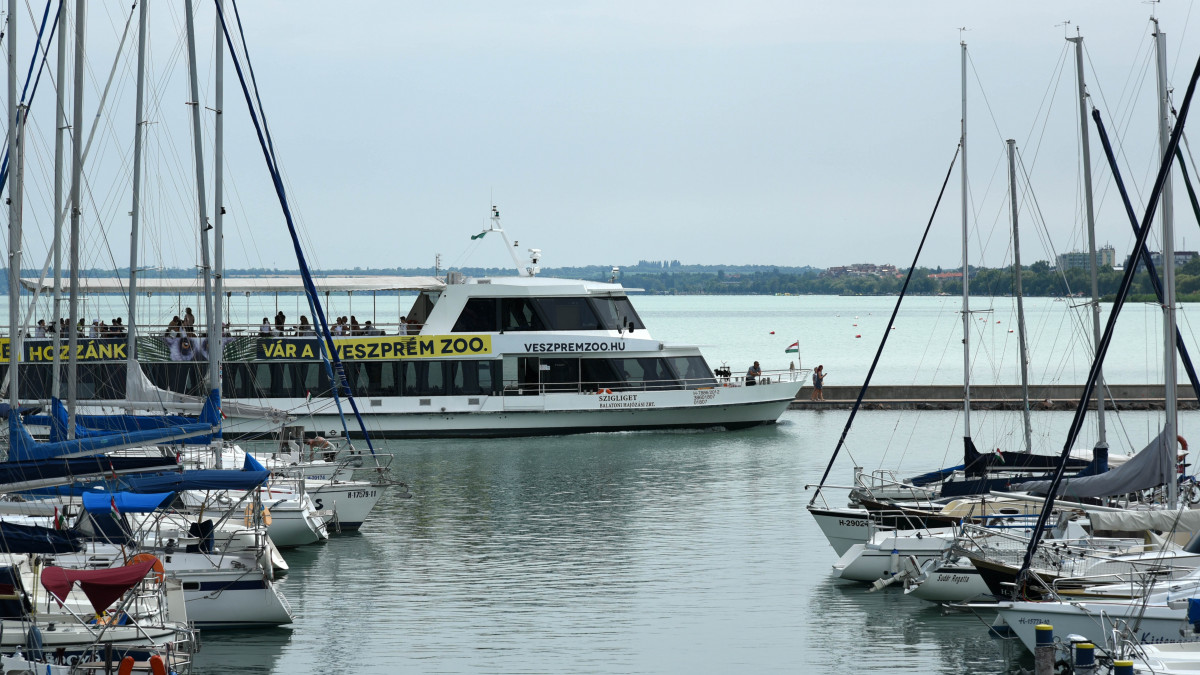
(381, 348)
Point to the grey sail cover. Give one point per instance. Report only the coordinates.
(1151, 467)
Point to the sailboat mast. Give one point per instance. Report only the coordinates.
(132, 371)
(60, 130)
(14, 217)
(1012, 186)
(216, 340)
(1101, 437)
(966, 275)
(1170, 376)
(201, 198)
(76, 180)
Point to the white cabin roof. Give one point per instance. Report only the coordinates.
(280, 284)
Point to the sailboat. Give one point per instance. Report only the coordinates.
(883, 501)
(1154, 616)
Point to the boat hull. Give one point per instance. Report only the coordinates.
(1153, 624)
(541, 415)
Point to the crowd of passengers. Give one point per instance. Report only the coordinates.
(342, 326)
(98, 329)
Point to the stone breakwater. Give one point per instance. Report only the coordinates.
(993, 397)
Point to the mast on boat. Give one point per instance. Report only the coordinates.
(968, 446)
(1012, 183)
(1170, 375)
(495, 227)
(1101, 449)
(216, 335)
(76, 180)
(132, 371)
(14, 217)
(60, 129)
(201, 199)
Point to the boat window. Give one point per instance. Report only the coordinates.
(96, 381)
(182, 378)
(472, 377)
(519, 314)
(596, 374)
(645, 373)
(693, 371)
(478, 316)
(559, 374)
(423, 378)
(569, 314)
(617, 313)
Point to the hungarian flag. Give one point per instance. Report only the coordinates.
(113, 505)
(307, 396)
(999, 455)
(793, 348)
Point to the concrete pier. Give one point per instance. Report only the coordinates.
(992, 397)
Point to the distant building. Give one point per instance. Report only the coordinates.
(946, 275)
(1181, 258)
(1105, 255)
(861, 270)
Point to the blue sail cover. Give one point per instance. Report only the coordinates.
(16, 538)
(92, 425)
(70, 470)
(201, 479)
(99, 501)
(23, 447)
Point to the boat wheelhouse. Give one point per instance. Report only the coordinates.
(497, 356)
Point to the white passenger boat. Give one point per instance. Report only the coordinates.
(495, 356)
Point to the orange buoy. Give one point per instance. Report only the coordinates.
(126, 666)
(157, 666)
(157, 566)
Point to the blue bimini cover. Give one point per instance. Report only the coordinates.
(100, 501)
(201, 479)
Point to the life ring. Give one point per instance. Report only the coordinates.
(159, 575)
(1182, 442)
(249, 518)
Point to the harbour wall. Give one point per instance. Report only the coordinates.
(992, 397)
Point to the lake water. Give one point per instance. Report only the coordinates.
(667, 551)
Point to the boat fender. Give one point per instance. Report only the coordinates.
(157, 665)
(126, 666)
(157, 566)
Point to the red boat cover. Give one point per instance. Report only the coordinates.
(102, 587)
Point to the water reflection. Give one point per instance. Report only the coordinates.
(629, 553)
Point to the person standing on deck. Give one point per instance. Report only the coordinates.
(189, 320)
(753, 374)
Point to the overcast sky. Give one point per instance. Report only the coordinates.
(780, 133)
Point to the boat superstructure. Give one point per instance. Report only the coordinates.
(493, 356)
